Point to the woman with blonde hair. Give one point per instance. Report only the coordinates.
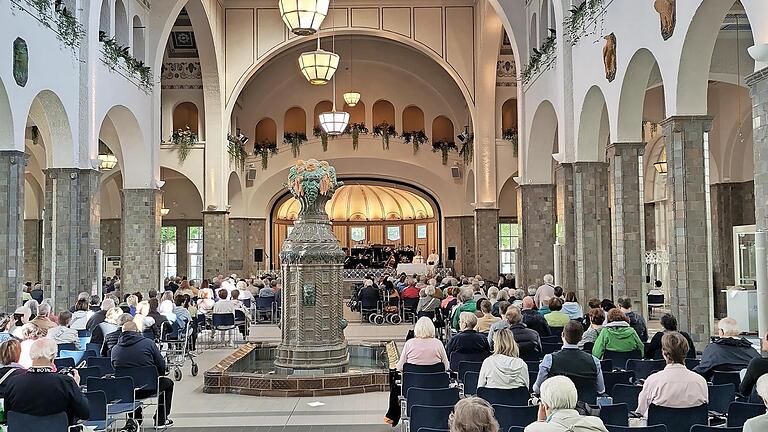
(10, 355)
(29, 334)
(205, 302)
(504, 369)
(141, 319)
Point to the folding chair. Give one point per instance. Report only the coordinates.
(18, 422)
(740, 412)
(613, 378)
(437, 367)
(615, 414)
(435, 380)
(88, 372)
(720, 397)
(644, 368)
(97, 409)
(691, 363)
(242, 321)
(677, 419)
(63, 362)
(549, 348)
(470, 382)
(626, 394)
(509, 397)
(723, 377)
(457, 358)
(103, 363)
(620, 358)
(431, 397)
(264, 308)
(606, 365)
(224, 323)
(509, 416)
(145, 380)
(435, 417)
(119, 393)
(466, 366)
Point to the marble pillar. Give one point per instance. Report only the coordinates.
(487, 243)
(70, 233)
(627, 220)
(688, 215)
(12, 164)
(215, 243)
(140, 234)
(536, 219)
(758, 89)
(566, 226)
(459, 233)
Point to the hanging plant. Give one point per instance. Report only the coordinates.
(323, 135)
(295, 139)
(355, 129)
(468, 149)
(265, 149)
(236, 151)
(541, 60)
(184, 140)
(385, 131)
(417, 138)
(444, 147)
(583, 20)
(68, 30)
(511, 136)
(114, 53)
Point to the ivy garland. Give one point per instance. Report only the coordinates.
(355, 129)
(68, 30)
(295, 139)
(541, 60)
(323, 135)
(444, 147)
(467, 150)
(114, 52)
(417, 138)
(184, 140)
(582, 18)
(236, 151)
(265, 149)
(511, 136)
(385, 131)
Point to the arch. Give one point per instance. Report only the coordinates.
(628, 126)
(33, 198)
(139, 44)
(235, 195)
(121, 23)
(533, 39)
(121, 132)
(383, 111)
(105, 18)
(47, 112)
(508, 199)
(544, 20)
(180, 195)
(295, 120)
(509, 114)
(538, 155)
(110, 196)
(592, 134)
(469, 191)
(186, 115)
(442, 129)
(356, 113)
(413, 119)
(321, 107)
(6, 119)
(266, 131)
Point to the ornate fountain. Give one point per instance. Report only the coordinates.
(312, 263)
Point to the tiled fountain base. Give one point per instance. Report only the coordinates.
(244, 372)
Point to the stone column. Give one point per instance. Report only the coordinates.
(566, 227)
(140, 234)
(650, 226)
(690, 253)
(627, 220)
(459, 233)
(487, 243)
(12, 165)
(33, 233)
(245, 235)
(592, 221)
(215, 243)
(758, 89)
(110, 236)
(70, 233)
(536, 218)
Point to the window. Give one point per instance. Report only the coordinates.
(421, 232)
(508, 243)
(357, 234)
(393, 233)
(195, 250)
(168, 244)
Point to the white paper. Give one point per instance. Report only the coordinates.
(315, 404)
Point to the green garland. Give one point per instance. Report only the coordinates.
(323, 135)
(582, 18)
(295, 139)
(265, 149)
(68, 30)
(417, 138)
(385, 131)
(468, 149)
(511, 136)
(236, 151)
(541, 60)
(114, 52)
(184, 140)
(355, 129)
(444, 147)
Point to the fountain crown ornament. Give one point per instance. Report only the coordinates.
(312, 183)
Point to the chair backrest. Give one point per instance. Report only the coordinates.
(516, 429)
(644, 368)
(437, 367)
(74, 355)
(627, 394)
(435, 417)
(705, 428)
(434, 380)
(64, 362)
(95, 347)
(552, 339)
(470, 382)
(657, 428)
(588, 347)
(115, 389)
(239, 315)
(509, 416)
(87, 372)
(532, 377)
(556, 331)
(533, 366)
(144, 377)
(691, 363)
(655, 299)
(97, 405)
(620, 358)
(431, 397)
(223, 320)
(721, 377)
(103, 363)
(18, 422)
(514, 397)
(549, 348)
(247, 303)
(67, 347)
(466, 366)
(740, 412)
(720, 397)
(457, 358)
(677, 419)
(605, 365)
(613, 378)
(264, 303)
(615, 414)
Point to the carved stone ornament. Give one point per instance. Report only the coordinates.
(667, 16)
(609, 57)
(20, 62)
(308, 294)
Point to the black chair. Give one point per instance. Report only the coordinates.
(95, 347)
(627, 394)
(620, 358)
(556, 331)
(549, 348)
(740, 412)
(224, 323)
(720, 397)
(509, 416)
(466, 366)
(512, 397)
(263, 308)
(677, 419)
(613, 378)
(654, 301)
(435, 380)
(704, 428)
(616, 414)
(516, 429)
(97, 409)
(456, 358)
(64, 362)
(722, 377)
(533, 366)
(145, 379)
(18, 422)
(470, 382)
(103, 363)
(588, 347)
(552, 339)
(437, 367)
(83, 333)
(691, 363)
(644, 368)
(67, 347)
(435, 417)
(532, 377)
(657, 428)
(409, 308)
(431, 397)
(88, 372)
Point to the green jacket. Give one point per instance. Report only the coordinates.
(556, 319)
(468, 306)
(617, 336)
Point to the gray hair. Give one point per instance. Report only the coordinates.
(762, 387)
(430, 290)
(549, 279)
(467, 321)
(493, 292)
(519, 293)
(465, 294)
(124, 318)
(44, 348)
(107, 304)
(44, 309)
(503, 295)
(559, 393)
(473, 414)
(729, 326)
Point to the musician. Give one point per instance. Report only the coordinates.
(433, 260)
(418, 259)
(391, 261)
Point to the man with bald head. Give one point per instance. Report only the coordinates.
(729, 352)
(532, 319)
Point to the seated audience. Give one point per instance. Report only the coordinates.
(504, 369)
(571, 306)
(42, 320)
(636, 321)
(607, 305)
(81, 315)
(111, 339)
(544, 306)
(205, 303)
(503, 297)
(759, 423)
(533, 319)
(466, 304)
(108, 326)
(528, 341)
(617, 336)
(500, 324)
(473, 414)
(758, 367)
(675, 386)
(99, 317)
(427, 302)
(10, 354)
(267, 291)
(596, 318)
(183, 317)
(134, 350)
(668, 324)
(581, 367)
(468, 343)
(41, 391)
(132, 302)
(729, 352)
(546, 290)
(556, 318)
(156, 316)
(63, 333)
(557, 411)
(29, 334)
(6, 321)
(485, 322)
(20, 317)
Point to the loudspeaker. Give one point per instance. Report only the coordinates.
(451, 253)
(455, 171)
(258, 255)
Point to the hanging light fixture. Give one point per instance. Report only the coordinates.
(661, 165)
(351, 97)
(318, 66)
(334, 122)
(303, 17)
(163, 209)
(107, 161)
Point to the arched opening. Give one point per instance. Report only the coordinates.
(508, 227)
(321, 107)
(185, 115)
(266, 132)
(356, 113)
(105, 19)
(383, 112)
(442, 129)
(139, 45)
(593, 127)
(235, 196)
(295, 121)
(642, 79)
(48, 126)
(541, 145)
(413, 119)
(544, 20)
(121, 23)
(534, 35)
(509, 115)
(6, 119)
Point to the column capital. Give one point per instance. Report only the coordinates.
(620, 147)
(486, 209)
(677, 123)
(72, 173)
(757, 77)
(534, 186)
(215, 212)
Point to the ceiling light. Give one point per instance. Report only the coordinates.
(303, 17)
(107, 161)
(164, 211)
(661, 167)
(318, 66)
(352, 98)
(334, 122)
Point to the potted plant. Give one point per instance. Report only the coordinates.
(184, 139)
(467, 149)
(265, 149)
(416, 138)
(323, 135)
(295, 139)
(444, 147)
(355, 129)
(385, 131)
(236, 151)
(511, 136)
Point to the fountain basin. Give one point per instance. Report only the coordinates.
(250, 370)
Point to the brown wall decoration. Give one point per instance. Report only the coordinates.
(667, 15)
(609, 57)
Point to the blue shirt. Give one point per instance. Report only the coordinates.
(546, 365)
